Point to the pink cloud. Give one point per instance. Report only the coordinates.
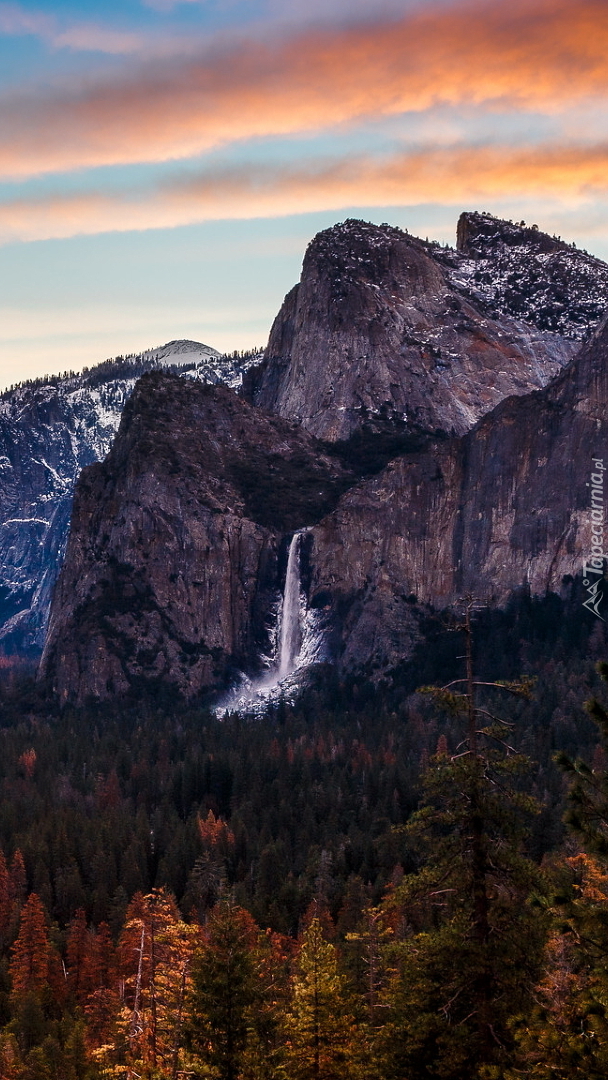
(458, 176)
(525, 54)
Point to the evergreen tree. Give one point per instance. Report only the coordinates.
(31, 953)
(323, 1041)
(226, 988)
(469, 946)
(5, 902)
(566, 1036)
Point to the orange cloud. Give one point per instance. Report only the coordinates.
(525, 54)
(457, 176)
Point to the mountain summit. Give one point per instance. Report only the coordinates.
(385, 330)
(515, 269)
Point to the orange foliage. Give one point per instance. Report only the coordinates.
(27, 762)
(214, 832)
(29, 969)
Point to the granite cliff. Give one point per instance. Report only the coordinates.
(175, 554)
(379, 334)
(505, 507)
(179, 542)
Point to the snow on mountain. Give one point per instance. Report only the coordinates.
(51, 428)
(516, 270)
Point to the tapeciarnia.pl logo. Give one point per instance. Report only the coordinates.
(593, 568)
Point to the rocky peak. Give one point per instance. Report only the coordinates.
(377, 336)
(477, 235)
(357, 255)
(516, 270)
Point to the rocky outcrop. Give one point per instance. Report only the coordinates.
(172, 561)
(377, 335)
(507, 506)
(49, 430)
(515, 269)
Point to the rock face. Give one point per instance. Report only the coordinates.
(517, 270)
(506, 506)
(378, 333)
(172, 562)
(178, 540)
(49, 430)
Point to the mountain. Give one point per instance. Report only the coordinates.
(381, 333)
(49, 430)
(175, 557)
(183, 540)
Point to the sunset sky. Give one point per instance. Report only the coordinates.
(163, 163)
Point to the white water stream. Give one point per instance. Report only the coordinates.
(290, 618)
(298, 644)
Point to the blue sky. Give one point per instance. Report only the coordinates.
(163, 165)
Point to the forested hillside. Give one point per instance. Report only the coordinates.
(347, 887)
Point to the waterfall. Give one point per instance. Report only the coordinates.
(290, 628)
(298, 643)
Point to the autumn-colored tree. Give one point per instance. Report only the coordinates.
(156, 953)
(215, 833)
(5, 902)
(31, 953)
(566, 1036)
(27, 761)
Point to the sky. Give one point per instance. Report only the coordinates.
(164, 163)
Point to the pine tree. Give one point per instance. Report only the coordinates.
(17, 884)
(5, 902)
(323, 1040)
(469, 946)
(226, 989)
(587, 813)
(566, 1036)
(77, 949)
